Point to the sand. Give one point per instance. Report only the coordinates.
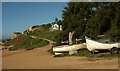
(40, 58)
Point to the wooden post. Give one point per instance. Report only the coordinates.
(70, 37)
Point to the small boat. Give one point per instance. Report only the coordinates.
(93, 45)
(67, 48)
(58, 53)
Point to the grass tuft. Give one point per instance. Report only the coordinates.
(51, 51)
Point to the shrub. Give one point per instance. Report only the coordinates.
(51, 51)
(13, 48)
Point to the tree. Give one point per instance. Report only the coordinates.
(75, 17)
(92, 19)
(56, 20)
(114, 31)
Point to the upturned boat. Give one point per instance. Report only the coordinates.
(93, 45)
(67, 48)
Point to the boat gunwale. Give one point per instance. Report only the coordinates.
(67, 45)
(102, 42)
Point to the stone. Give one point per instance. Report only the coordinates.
(72, 52)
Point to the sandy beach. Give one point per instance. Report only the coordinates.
(40, 58)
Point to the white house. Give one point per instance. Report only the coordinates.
(56, 27)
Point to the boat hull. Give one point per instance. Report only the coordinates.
(94, 45)
(67, 48)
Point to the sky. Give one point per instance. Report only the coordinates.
(89, 0)
(18, 16)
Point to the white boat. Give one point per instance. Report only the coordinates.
(95, 45)
(58, 53)
(67, 48)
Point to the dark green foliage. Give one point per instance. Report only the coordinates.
(56, 20)
(8, 39)
(58, 37)
(75, 17)
(85, 52)
(13, 48)
(46, 26)
(51, 51)
(3, 41)
(86, 21)
(114, 35)
(59, 22)
(26, 42)
(36, 26)
(61, 36)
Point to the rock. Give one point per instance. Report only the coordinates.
(72, 52)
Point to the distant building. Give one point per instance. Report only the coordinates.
(60, 27)
(56, 27)
(30, 28)
(15, 34)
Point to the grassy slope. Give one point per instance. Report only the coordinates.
(45, 34)
(26, 42)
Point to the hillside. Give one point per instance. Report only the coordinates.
(25, 42)
(51, 35)
(44, 32)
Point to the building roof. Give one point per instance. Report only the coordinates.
(17, 32)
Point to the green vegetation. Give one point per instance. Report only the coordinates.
(3, 41)
(26, 42)
(51, 35)
(92, 19)
(86, 19)
(46, 26)
(86, 53)
(51, 51)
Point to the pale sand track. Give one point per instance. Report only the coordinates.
(39, 58)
